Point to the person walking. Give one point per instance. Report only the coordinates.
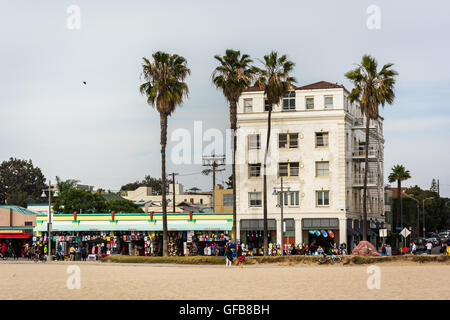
(413, 248)
(83, 253)
(228, 257)
(240, 257)
(429, 246)
(72, 253)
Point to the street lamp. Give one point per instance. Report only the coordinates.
(281, 207)
(49, 219)
(418, 212)
(423, 213)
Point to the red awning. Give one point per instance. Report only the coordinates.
(14, 236)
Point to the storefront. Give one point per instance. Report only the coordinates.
(322, 232)
(252, 234)
(16, 228)
(135, 234)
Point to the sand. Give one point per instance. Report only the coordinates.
(119, 281)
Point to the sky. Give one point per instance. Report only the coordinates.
(104, 134)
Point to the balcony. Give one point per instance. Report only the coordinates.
(360, 152)
(358, 180)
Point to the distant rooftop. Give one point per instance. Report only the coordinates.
(312, 86)
(18, 209)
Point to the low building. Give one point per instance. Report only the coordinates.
(136, 233)
(16, 224)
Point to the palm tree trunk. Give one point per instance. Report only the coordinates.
(163, 123)
(266, 240)
(233, 122)
(365, 179)
(399, 203)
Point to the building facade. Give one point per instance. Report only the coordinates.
(317, 145)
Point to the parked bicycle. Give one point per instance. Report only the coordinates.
(324, 258)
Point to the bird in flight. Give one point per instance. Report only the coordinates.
(84, 82)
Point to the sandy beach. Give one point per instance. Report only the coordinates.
(26, 280)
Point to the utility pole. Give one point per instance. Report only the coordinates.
(173, 190)
(213, 161)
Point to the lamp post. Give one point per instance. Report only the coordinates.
(418, 213)
(281, 207)
(423, 213)
(49, 219)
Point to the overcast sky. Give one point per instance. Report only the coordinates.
(105, 134)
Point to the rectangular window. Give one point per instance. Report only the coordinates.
(288, 140)
(283, 169)
(294, 198)
(289, 101)
(266, 105)
(321, 139)
(282, 140)
(286, 169)
(323, 198)
(293, 169)
(322, 168)
(309, 103)
(285, 198)
(329, 102)
(254, 199)
(228, 200)
(293, 140)
(254, 141)
(248, 105)
(254, 170)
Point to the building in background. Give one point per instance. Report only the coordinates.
(317, 146)
(223, 199)
(197, 201)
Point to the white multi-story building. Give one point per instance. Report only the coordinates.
(317, 145)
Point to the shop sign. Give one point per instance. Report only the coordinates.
(11, 231)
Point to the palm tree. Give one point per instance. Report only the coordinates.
(399, 174)
(372, 88)
(233, 75)
(165, 89)
(275, 79)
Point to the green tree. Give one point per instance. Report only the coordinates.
(64, 185)
(165, 89)
(81, 201)
(124, 206)
(232, 76)
(148, 181)
(20, 182)
(399, 174)
(276, 80)
(371, 88)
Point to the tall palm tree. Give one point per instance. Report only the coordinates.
(233, 75)
(165, 89)
(275, 78)
(372, 88)
(399, 174)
